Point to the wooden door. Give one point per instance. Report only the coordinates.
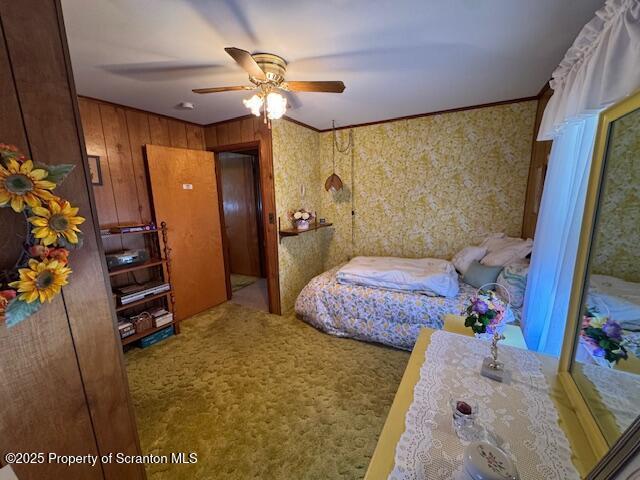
(185, 195)
(239, 199)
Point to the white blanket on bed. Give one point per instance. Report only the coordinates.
(616, 298)
(430, 276)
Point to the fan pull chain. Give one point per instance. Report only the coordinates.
(335, 139)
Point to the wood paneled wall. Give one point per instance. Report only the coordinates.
(62, 382)
(251, 132)
(236, 131)
(537, 170)
(117, 135)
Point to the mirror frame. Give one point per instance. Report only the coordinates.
(590, 426)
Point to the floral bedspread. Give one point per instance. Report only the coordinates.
(631, 341)
(372, 314)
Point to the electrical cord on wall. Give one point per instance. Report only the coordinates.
(353, 205)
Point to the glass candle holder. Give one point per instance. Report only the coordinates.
(464, 419)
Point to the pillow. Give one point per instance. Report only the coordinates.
(464, 257)
(493, 241)
(513, 279)
(478, 275)
(510, 251)
(498, 241)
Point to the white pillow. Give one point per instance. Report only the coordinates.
(493, 241)
(466, 256)
(509, 251)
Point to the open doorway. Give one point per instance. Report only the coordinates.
(241, 212)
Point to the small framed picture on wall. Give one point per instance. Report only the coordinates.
(94, 169)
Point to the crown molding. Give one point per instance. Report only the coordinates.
(544, 89)
(229, 120)
(438, 112)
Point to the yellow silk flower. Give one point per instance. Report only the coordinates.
(58, 220)
(20, 183)
(41, 280)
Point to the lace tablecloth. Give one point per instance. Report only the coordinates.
(520, 413)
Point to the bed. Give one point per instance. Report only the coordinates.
(376, 315)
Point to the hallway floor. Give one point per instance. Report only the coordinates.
(253, 296)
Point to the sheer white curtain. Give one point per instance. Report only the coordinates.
(556, 239)
(601, 67)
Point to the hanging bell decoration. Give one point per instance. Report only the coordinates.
(333, 183)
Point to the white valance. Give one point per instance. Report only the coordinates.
(601, 67)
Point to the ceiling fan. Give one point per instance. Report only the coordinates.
(267, 74)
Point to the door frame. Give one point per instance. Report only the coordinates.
(269, 237)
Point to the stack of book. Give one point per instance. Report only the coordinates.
(161, 317)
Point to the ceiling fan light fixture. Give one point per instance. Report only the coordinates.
(267, 74)
(276, 106)
(254, 104)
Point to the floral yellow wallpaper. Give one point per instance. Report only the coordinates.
(617, 253)
(296, 170)
(429, 186)
(424, 187)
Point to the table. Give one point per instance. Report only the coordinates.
(382, 461)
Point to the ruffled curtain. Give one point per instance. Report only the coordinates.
(601, 67)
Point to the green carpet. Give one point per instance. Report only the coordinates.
(238, 281)
(259, 396)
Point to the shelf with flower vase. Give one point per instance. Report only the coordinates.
(311, 225)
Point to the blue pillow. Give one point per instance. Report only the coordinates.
(478, 275)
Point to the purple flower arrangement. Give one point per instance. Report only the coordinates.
(485, 313)
(604, 336)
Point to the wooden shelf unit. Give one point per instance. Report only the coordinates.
(141, 232)
(152, 262)
(137, 336)
(144, 300)
(160, 257)
(294, 232)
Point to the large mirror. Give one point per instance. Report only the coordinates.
(606, 352)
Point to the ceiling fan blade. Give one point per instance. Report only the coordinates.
(222, 89)
(246, 61)
(165, 71)
(331, 87)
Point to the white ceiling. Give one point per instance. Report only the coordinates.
(396, 58)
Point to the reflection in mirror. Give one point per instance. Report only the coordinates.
(606, 368)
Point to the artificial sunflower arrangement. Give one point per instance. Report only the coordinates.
(42, 270)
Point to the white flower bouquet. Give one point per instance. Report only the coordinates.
(301, 218)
